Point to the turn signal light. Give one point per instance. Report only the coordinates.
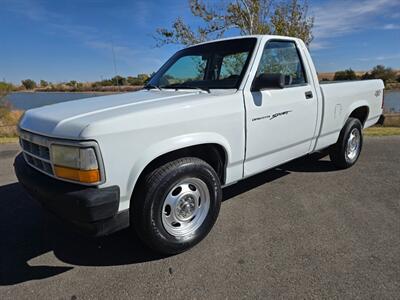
(84, 176)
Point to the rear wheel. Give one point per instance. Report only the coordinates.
(346, 151)
(179, 205)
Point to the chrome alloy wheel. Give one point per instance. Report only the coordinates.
(353, 145)
(185, 207)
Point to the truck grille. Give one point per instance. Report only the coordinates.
(35, 149)
(36, 152)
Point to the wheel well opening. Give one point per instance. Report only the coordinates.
(213, 154)
(360, 113)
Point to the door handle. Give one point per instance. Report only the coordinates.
(309, 95)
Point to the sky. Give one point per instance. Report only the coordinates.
(60, 41)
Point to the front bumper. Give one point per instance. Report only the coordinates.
(92, 210)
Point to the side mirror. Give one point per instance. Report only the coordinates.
(269, 81)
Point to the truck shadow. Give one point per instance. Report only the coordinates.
(28, 234)
(308, 163)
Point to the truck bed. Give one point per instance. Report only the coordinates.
(340, 99)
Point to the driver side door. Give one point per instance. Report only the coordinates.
(280, 121)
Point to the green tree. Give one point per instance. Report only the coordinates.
(118, 80)
(72, 83)
(43, 83)
(288, 17)
(348, 74)
(29, 84)
(133, 80)
(381, 72)
(106, 82)
(141, 79)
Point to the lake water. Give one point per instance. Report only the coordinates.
(26, 101)
(392, 101)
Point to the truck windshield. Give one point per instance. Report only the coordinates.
(217, 65)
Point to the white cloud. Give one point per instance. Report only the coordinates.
(391, 26)
(395, 15)
(338, 18)
(318, 45)
(27, 8)
(380, 57)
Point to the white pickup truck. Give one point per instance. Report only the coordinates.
(215, 113)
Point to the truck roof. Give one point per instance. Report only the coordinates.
(257, 36)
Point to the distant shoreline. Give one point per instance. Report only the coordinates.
(98, 90)
(67, 91)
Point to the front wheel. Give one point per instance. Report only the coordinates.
(179, 205)
(346, 151)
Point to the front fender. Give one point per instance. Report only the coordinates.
(175, 143)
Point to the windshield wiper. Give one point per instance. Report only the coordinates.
(185, 86)
(151, 86)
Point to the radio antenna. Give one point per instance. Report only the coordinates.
(115, 63)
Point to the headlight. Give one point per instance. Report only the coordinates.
(75, 163)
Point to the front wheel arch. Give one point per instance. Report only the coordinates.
(213, 154)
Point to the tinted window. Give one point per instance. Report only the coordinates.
(187, 68)
(232, 65)
(282, 57)
(219, 64)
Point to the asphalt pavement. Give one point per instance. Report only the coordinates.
(303, 230)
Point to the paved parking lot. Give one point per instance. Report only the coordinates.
(303, 230)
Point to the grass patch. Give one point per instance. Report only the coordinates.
(392, 120)
(382, 131)
(8, 123)
(8, 140)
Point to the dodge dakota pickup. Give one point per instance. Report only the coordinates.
(215, 113)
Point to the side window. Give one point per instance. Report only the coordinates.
(282, 57)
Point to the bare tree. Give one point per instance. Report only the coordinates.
(248, 16)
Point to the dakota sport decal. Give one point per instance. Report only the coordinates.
(271, 117)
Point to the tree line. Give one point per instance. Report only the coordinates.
(116, 81)
(388, 75)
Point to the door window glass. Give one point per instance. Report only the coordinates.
(281, 57)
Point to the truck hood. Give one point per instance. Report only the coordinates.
(68, 119)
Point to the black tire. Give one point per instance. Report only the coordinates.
(338, 154)
(148, 205)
